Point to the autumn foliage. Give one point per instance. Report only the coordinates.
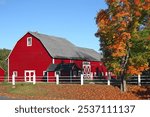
(124, 31)
(67, 92)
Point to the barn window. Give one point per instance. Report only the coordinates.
(29, 41)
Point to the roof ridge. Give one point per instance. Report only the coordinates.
(86, 48)
(47, 35)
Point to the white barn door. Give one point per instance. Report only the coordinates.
(86, 70)
(29, 75)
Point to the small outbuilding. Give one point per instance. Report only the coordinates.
(68, 71)
(2, 74)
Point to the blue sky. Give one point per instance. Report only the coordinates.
(71, 19)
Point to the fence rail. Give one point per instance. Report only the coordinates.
(144, 80)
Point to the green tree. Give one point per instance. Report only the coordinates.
(3, 56)
(124, 32)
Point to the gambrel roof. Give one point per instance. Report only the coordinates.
(59, 47)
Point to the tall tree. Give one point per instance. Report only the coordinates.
(3, 56)
(124, 32)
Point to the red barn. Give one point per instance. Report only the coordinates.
(44, 56)
(2, 74)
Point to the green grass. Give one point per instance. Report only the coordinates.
(24, 89)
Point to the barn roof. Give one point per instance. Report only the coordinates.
(52, 67)
(61, 48)
(90, 54)
(63, 67)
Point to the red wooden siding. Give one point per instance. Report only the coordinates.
(2, 74)
(58, 61)
(23, 58)
(51, 77)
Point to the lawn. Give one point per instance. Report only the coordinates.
(43, 91)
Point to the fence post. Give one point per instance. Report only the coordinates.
(91, 75)
(81, 79)
(139, 80)
(13, 79)
(106, 74)
(57, 79)
(47, 77)
(34, 81)
(102, 73)
(108, 78)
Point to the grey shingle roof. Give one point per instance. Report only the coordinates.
(90, 54)
(63, 67)
(62, 48)
(52, 67)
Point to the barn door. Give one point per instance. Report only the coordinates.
(29, 75)
(86, 70)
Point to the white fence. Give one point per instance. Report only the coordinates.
(138, 80)
(51, 79)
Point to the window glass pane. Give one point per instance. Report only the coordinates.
(32, 73)
(29, 41)
(27, 73)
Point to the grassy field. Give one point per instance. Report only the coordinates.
(43, 91)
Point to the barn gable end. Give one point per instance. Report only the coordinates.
(28, 58)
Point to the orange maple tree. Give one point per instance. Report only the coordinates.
(124, 29)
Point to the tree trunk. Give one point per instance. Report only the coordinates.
(124, 73)
(123, 83)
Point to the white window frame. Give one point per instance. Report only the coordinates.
(29, 41)
(30, 77)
